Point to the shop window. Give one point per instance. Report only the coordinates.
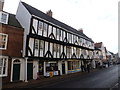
(3, 41)
(52, 67)
(3, 67)
(72, 65)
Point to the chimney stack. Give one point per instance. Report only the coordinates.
(1, 5)
(81, 30)
(49, 13)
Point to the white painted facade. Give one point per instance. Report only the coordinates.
(24, 17)
(35, 68)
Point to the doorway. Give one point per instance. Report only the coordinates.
(16, 70)
(29, 71)
(63, 68)
(41, 67)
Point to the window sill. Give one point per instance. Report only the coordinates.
(3, 75)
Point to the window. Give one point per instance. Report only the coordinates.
(69, 37)
(72, 65)
(68, 49)
(45, 26)
(49, 30)
(56, 48)
(36, 44)
(41, 44)
(4, 18)
(84, 52)
(77, 51)
(3, 67)
(40, 27)
(58, 32)
(54, 31)
(3, 41)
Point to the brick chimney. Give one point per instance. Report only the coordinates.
(1, 5)
(81, 30)
(49, 13)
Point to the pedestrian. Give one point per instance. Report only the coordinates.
(88, 67)
(82, 68)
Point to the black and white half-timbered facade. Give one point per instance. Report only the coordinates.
(50, 45)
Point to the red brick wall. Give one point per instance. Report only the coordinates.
(7, 79)
(15, 41)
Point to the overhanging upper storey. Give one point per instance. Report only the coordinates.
(40, 15)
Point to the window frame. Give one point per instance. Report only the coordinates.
(41, 42)
(6, 39)
(7, 15)
(6, 66)
(36, 44)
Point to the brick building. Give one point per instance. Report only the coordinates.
(11, 46)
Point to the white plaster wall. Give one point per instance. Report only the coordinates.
(54, 31)
(35, 22)
(35, 68)
(61, 35)
(46, 47)
(31, 43)
(65, 49)
(60, 67)
(44, 68)
(22, 70)
(66, 67)
(24, 17)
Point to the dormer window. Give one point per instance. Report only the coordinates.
(4, 18)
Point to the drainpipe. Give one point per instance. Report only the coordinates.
(25, 70)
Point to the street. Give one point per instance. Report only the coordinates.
(104, 78)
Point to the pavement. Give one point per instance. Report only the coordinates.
(44, 81)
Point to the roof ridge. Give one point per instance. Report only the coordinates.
(52, 20)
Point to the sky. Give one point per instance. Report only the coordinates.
(97, 18)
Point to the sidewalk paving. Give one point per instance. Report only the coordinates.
(43, 81)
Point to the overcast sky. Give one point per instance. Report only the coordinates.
(98, 18)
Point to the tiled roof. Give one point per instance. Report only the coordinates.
(38, 13)
(12, 21)
(98, 45)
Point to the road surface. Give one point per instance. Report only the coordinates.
(104, 78)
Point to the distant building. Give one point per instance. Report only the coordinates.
(116, 58)
(103, 52)
(97, 56)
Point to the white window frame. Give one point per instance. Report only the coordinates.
(5, 41)
(6, 69)
(6, 17)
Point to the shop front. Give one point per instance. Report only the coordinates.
(51, 69)
(74, 66)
